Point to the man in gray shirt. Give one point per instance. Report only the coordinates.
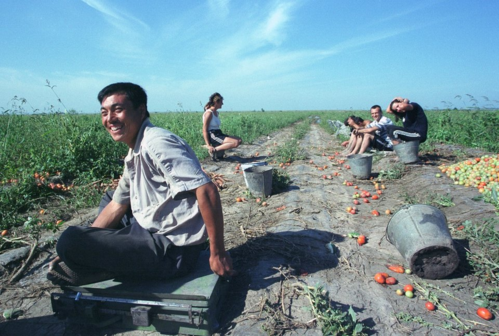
(164, 208)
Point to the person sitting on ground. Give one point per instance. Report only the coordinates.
(375, 134)
(214, 138)
(354, 123)
(159, 218)
(413, 118)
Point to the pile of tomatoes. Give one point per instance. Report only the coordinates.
(481, 173)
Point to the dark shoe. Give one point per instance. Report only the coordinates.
(62, 275)
(214, 156)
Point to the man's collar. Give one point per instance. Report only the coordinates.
(140, 136)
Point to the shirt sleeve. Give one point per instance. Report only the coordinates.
(175, 160)
(122, 193)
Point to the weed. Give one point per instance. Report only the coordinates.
(440, 200)
(488, 298)
(408, 199)
(331, 320)
(34, 226)
(394, 173)
(484, 259)
(405, 317)
(290, 152)
(280, 181)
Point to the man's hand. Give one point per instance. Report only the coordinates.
(54, 262)
(222, 265)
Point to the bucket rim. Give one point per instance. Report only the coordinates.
(357, 156)
(258, 169)
(405, 207)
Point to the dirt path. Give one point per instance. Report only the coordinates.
(279, 249)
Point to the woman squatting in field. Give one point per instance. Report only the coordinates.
(214, 138)
(413, 118)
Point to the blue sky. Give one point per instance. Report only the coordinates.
(270, 54)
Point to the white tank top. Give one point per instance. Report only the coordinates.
(214, 122)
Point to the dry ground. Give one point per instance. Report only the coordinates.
(275, 248)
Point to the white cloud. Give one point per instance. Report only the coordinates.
(273, 29)
(121, 20)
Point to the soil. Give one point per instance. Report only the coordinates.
(300, 237)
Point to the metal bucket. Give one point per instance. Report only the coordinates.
(259, 180)
(360, 165)
(245, 166)
(420, 234)
(407, 151)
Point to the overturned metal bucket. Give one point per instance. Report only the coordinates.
(420, 234)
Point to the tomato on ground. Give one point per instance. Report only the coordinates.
(391, 281)
(379, 278)
(484, 313)
(430, 306)
(408, 288)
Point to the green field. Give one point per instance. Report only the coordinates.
(65, 157)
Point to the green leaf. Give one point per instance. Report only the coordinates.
(352, 314)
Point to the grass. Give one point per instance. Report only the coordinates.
(332, 321)
(394, 172)
(68, 158)
(484, 257)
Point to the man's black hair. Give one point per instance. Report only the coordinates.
(135, 93)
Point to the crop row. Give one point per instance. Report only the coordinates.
(73, 151)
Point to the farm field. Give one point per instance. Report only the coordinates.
(299, 271)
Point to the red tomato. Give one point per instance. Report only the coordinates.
(391, 281)
(379, 278)
(361, 240)
(408, 288)
(430, 306)
(484, 313)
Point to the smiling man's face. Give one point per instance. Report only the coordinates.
(376, 114)
(121, 119)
